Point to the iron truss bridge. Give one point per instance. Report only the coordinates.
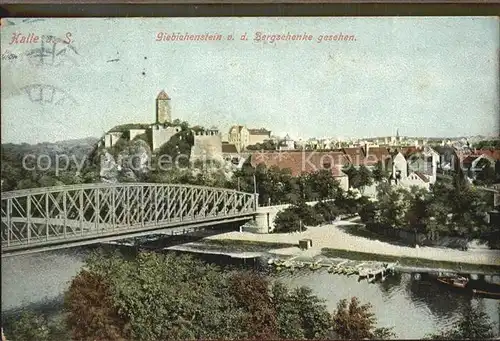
(57, 217)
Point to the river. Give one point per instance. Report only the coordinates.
(413, 308)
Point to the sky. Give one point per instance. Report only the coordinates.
(436, 76)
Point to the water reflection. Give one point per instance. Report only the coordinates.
(413, 308)
(391, 282)
(441, 300)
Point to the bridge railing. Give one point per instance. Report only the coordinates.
(57, 214)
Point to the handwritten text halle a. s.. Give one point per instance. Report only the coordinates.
(32, 38)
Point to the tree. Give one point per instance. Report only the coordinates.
(300, 314)
(497, 171)
(364, 177)
(327, 210)
(321, 185)
(488, 144)
(161, 297)
(358, 178)
(379, 172)
(356, 321)
(70, 177)
(26, 183)
(251, 291)
(178, 148)
(91, 314)
(287, 312)
(157, 297)
(487, 175)
(48, 181)
(315, 319)
(474, 324)
(266, 145)
(417, 215)
(353, 175)
(287, 221)
(391, 205)
(368, 213)
(30, 326)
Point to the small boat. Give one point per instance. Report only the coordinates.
(456, 282)
(359, 266)
(342, 263)
(315, 266)
(351, 271)
(331, 269)
(279, 263)
(487, 294)
(299, 265)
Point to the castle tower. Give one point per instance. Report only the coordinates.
(163, 109)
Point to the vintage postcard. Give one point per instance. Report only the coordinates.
(250, 178)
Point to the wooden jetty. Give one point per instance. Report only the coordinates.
(371, 271)
(379, 270)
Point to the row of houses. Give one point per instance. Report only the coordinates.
(407, 166)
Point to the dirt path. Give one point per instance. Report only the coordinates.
(331, 236)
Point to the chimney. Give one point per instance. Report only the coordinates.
(367, 148)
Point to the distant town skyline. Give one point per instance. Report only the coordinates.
(427, 77)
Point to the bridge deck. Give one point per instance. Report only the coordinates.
(72, 215)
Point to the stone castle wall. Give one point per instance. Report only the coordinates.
(110, 139)
(135, 132)
(161, 135)
(206, 146)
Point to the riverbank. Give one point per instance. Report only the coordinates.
(331, 240)
(429, 306)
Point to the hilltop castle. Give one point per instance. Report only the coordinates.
(159, 133)
(207, 144)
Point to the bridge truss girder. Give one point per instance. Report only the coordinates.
(44, 216)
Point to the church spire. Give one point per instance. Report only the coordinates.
(397, 133)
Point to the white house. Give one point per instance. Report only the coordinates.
(287, 143)
(405, 177)
(476, 163)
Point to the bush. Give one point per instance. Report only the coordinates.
(474, 324)
(308, 214)
(30, 326)
(354, 320)
(91, 314)
(289, 220)
(158, 297)
(368, 213)
(327, 210)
